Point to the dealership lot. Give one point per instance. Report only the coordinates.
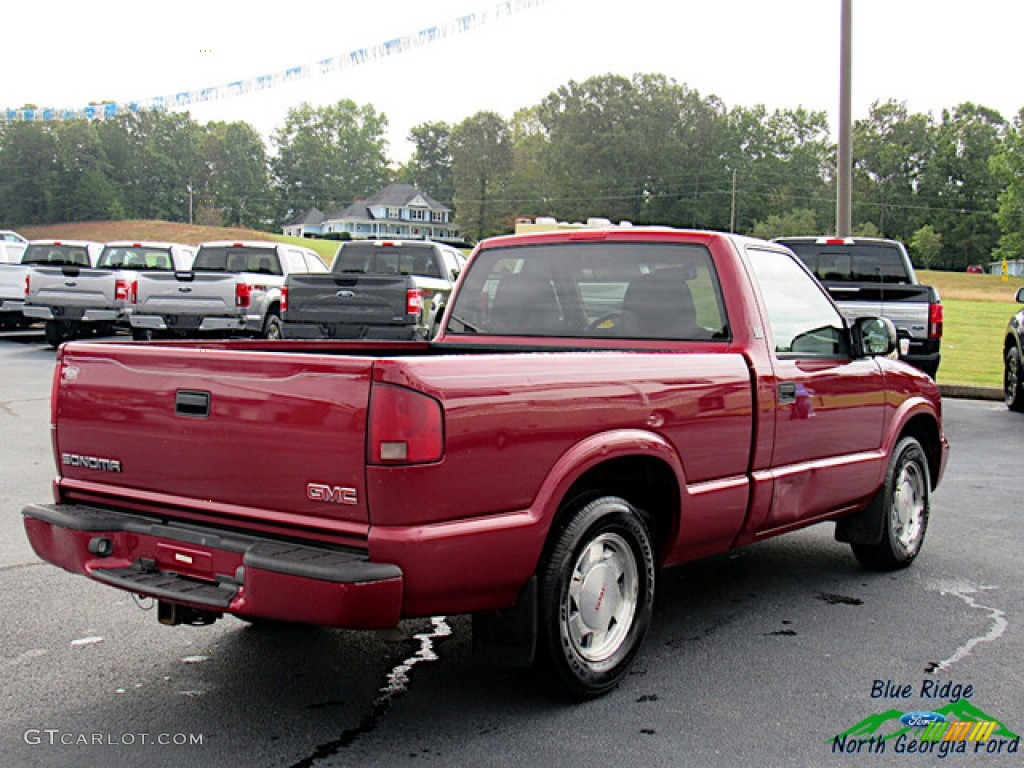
(759, 657)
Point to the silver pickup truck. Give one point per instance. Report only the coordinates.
(15, 282)
(233, 288)
(80, 301)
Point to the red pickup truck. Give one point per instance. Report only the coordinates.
(600, 404)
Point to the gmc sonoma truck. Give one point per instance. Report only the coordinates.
(76, 301)
(377, 289)
(871, 276)
(599, 405)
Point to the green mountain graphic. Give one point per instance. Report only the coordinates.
(880, 723)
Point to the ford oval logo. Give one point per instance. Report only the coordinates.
(184, 289)
(921, 719)
(345, 294)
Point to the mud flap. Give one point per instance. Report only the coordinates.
(508, 638)
(864, 527)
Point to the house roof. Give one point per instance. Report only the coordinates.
(311, 218)
(392, 196)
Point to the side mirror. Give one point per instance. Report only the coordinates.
(1020, 295)
(874, 337)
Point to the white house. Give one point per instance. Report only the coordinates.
(398, 210)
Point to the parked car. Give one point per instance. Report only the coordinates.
(12, 246)
(1013, 359)
(76, 301)
(377, 289)
(594, 409)
(233, 289)
(868, 276)
(14, 278)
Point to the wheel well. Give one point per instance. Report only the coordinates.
(647, 483)
(926, 431)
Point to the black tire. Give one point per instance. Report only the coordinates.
(56, 332)
(596, 596)
(901, 508)
(272, 328)
(1013, 380)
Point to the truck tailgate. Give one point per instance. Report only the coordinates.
(71, 287)
(247, 438)
(186, 293)
(347, 300)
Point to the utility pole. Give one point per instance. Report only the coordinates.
(844, 172)
(189, 199)
(732, 207)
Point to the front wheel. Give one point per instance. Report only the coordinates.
(902, 506)
(1013, 380)
(596, 596)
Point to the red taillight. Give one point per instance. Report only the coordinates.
(243, 291)
(284, 298)
(935, 321)
(405, 427)
(121, 290)
(28, 284)
(414, 301)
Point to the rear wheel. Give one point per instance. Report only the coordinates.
(272, 328)
(902, 510)
(1013, 380)
(57, 332)
(596, 596)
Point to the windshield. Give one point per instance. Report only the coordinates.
(237, 258)
(58, 255)
(387, 259)
(856, 263)
(136, 257)
(592, 290)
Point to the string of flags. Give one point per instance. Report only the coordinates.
(340, 63)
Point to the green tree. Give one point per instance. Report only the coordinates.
(891, 149)
(958, 185)
(28, 174)
(86, 191)
(430, 167)
(797, 222)
(239, 180)
(925, 246)
(481, 163)
(328, 156)
(1007, 167)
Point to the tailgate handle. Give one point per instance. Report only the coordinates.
(190, 403)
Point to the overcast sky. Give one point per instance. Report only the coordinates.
(933, 54)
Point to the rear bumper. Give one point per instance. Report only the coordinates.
(292, 330)
(218, 571)
(197, 323)
(85, 315)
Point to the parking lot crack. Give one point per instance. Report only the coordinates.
(996, 628)
(397, 683)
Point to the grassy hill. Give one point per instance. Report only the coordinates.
(167, 231)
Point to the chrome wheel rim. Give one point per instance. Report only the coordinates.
(601, 601)
(908, 507)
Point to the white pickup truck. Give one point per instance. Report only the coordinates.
(14, 278)
(233, 289)
(77, 301)
(12, 245)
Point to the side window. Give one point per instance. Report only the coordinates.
(314, 264)
(804, 323)
(295, 261)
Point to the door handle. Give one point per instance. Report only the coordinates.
(787, 392)
(195, 404)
